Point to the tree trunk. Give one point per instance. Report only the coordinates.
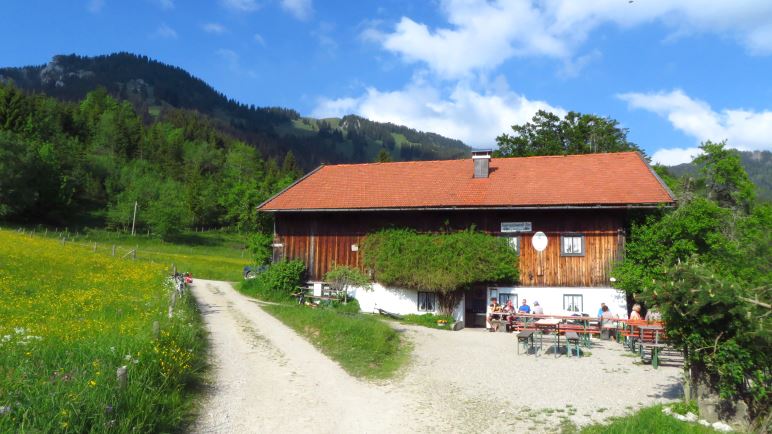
(448, 301)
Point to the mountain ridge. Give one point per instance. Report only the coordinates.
(156, 88)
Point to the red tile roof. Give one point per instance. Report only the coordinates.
(618, 179)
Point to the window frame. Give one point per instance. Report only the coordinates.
(427, 295)
(573, 235)
(518, 242)
(581, 301)
(510, 296)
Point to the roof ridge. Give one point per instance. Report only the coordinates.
(372, 163)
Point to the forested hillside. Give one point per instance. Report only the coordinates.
(758, 164)
(154, 89)
(62, 162)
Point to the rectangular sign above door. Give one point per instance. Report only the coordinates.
(516, 227)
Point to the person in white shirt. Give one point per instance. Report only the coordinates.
(537, 309)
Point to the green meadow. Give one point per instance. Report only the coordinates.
(215, 254)
(70, 320)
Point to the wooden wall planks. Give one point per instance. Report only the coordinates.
(324, 239)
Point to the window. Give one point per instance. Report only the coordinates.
(573, 303)
(514, 242)
(504, 298)
(572, 245)
(426, 301)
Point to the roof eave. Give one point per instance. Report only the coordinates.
(288, 187)
(657, 177)
(654, 205)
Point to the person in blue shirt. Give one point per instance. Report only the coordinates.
(600, 311)
(524, 308)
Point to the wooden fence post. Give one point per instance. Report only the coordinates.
(113, 249)
(122, 375)
(156, 329)
(94, 247)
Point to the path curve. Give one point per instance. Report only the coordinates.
(268, 379)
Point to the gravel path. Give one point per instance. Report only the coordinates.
(265, 378)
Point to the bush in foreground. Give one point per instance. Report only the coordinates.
(69, 319)
(277, 283)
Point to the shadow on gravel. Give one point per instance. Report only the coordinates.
(670, 391)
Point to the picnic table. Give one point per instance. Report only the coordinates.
(547, 325)
(647, 332)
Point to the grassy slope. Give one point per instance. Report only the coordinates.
(69, 319)
(208, 255)
(364, 345)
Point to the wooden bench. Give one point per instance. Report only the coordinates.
(525, 338)
(653, 340)
(572, 338)
(655, 350)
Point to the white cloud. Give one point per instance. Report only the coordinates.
(300, 9)
(482, 34)
(216, 28)
(460, 112)
(95, 6)
(241, 5)
(165, 32)
(743, 129)
(675, 156)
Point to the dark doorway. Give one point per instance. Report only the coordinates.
(475, 307)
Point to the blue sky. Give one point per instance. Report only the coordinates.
(674, 73)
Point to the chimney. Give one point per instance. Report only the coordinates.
(482, 159)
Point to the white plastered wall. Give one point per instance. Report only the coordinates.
(405, 301)
(394, 300)
(551, 298)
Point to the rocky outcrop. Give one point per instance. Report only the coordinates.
(54, 73)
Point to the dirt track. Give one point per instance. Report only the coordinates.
(265, 378)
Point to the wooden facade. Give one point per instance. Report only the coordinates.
(322, 239)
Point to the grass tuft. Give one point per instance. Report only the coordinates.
(429, 320)
(647, 420)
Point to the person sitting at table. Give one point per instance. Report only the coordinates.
(493, 308)
(607, 323)
(509, 307)
(653, 315)
(537, 309)
(635, 315)
(524, 308)
(600, 310)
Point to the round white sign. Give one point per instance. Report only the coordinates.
(539, 241)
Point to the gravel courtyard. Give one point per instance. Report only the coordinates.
(265, 378)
